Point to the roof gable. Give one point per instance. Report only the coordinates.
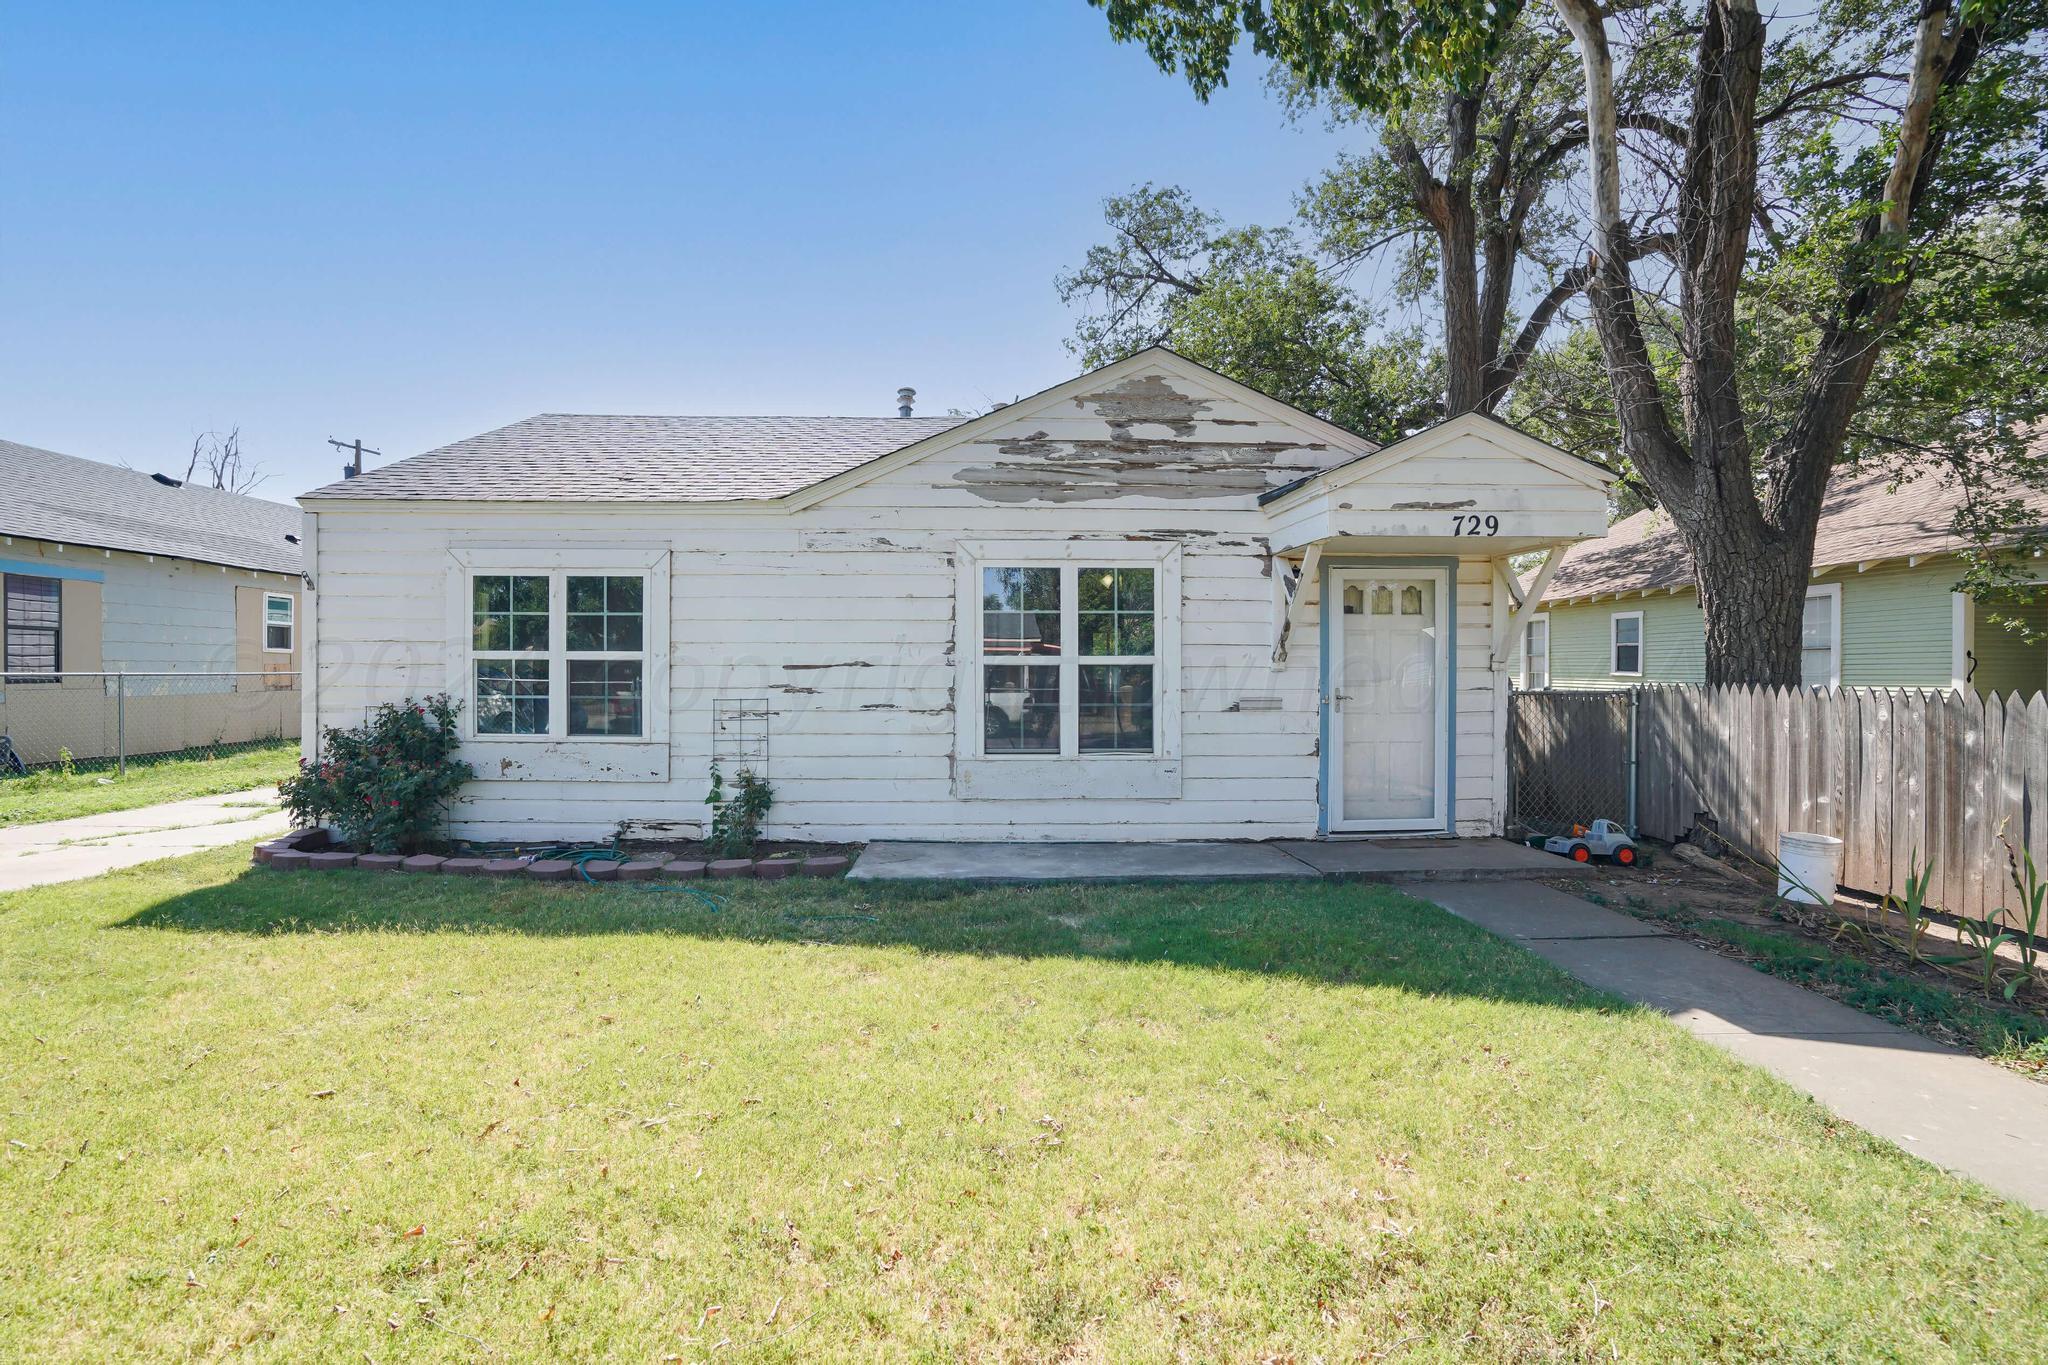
(1462, 431)
(1127, 396)
(789, 463)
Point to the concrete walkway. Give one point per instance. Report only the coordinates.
(1957, 1111)
(65, 850)
(1385, 860)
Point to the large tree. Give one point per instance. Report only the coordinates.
(1454, 198)
(1252, 303)
(1803, 180)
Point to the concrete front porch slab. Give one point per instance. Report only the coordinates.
(894, 860)
(1429, 860)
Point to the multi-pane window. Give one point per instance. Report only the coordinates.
(509, 643)
(1817, 667)
(1627, 641)
(1116, 620)
(1068, 659)
(607, 626)
(34, 627)
(1536, 654)
(277, 622)
(559, 653)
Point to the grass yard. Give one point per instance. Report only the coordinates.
(350, 1116)
(49, 794)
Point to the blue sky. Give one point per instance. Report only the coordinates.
(415, 222)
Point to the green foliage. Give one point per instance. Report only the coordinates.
(1250, 303)
(1376, 55)
(736, 818)
(1913, 905)
(384, 786)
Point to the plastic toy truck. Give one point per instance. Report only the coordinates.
(1601, 839)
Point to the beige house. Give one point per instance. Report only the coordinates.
(119, 582)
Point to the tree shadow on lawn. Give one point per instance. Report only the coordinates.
(1333, 933)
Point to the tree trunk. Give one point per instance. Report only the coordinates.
(1752, 586)
(1464, 354)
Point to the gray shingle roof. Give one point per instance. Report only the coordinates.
(575, 457)
(83, 502)
(1863, 518)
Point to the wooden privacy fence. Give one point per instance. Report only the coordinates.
(1892, 774)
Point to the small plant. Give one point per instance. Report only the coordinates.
(384, 785)
(2033, 890)
(736, 820)
(67, 766)
(1985, 936)
(1914, 906)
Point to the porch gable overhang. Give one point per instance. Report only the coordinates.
(1469, 485)
(1472, 487)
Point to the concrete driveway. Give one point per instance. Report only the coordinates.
(65, 850)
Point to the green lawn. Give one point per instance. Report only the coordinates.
(344, 1116)
(47, 794)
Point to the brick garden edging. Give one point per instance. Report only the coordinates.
(312, 850)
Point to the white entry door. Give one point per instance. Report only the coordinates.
(1389, 700)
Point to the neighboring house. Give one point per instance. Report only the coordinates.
(108, 571)
(1882, 610)
(1090, 614)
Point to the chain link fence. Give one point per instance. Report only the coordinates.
(1571, 760)
(106, 722)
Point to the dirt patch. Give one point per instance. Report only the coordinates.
(1851, 952)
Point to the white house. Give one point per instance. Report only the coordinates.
(1096, 613)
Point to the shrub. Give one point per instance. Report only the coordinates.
(736, 820)
(384, 785)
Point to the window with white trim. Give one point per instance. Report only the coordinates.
(558, 653)
(1625, 641)
(1536, 654)
(1068, 659)
(1820, 637)
(279, 619)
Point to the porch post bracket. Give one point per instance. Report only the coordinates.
(1531, 600)
(1297, 602)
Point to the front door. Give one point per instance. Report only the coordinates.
(1389, 700)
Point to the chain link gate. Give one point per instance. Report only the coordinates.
(1571, 760)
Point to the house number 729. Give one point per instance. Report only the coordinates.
(1475, 525)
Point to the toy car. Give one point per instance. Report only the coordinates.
(1601, 839)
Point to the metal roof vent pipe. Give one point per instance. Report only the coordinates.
(904, 399)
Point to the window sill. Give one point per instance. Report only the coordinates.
(542, 758)
(1124, 777)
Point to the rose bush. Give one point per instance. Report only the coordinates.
(384, 786)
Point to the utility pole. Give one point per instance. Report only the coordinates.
(355, 465)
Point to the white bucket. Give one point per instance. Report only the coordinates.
(1809, 867)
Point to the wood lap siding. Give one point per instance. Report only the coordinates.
(841, 615)
(1894, 774)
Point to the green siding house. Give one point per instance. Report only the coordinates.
(1882, 610)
